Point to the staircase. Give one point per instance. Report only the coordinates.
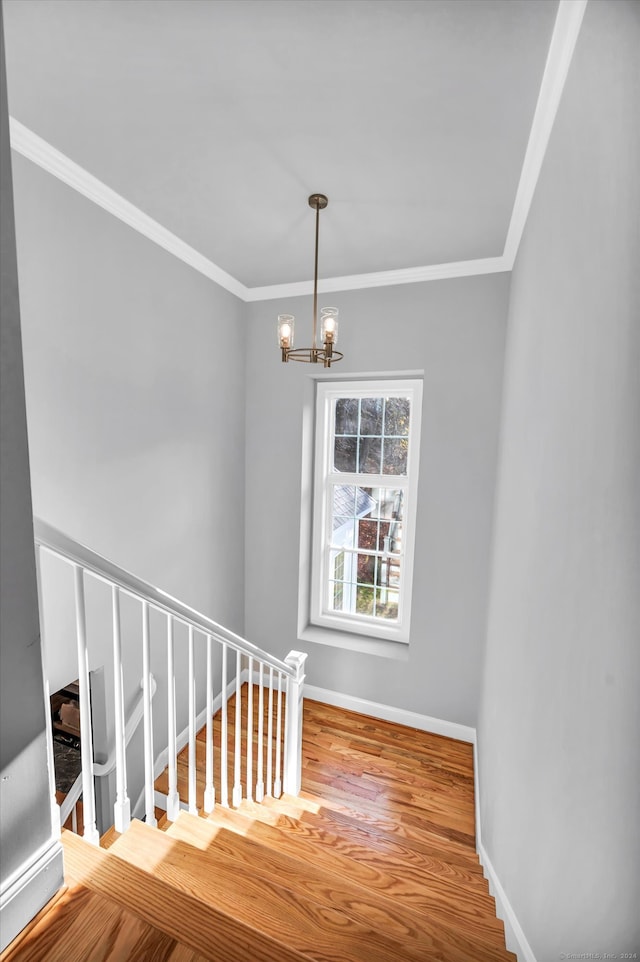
(374, 861)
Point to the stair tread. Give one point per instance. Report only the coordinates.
(360, 844)
(203, 928)
(82, 919)
(406, 821)
(377, 830)
(397, 877)
(316, 918)
(440, 905)
(323, 933)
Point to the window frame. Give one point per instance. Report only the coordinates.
(327, 393)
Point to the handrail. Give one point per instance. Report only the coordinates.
(105, 768)
(53, 540)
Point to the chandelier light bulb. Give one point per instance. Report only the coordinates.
(329, 327)
(285, 332)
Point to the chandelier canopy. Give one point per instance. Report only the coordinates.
(328, 320)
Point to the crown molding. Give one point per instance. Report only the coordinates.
(563, 41)
(34, 148)
(406, 275)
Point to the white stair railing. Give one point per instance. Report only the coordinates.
(285, 678)
(68, 805)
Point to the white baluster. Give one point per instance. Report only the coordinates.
(173, 798)
(74, 819)
(260, 772)
(209, 790)
(277, 785)
(122, 805)
(250, 733)
(224, 784)
(55, 808)
(293, 724)
(149, 788)
(270, 736)
(86, 731)
(193, 808)
(237, 784)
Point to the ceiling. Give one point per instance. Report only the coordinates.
(217, 118)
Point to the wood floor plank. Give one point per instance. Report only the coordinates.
(389, 766)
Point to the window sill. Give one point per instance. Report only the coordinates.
(364, 644)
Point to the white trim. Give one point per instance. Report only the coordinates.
(476, 793)
(515, 939)
(405, 275)
(42, 153)
(401, 716)
(29, 888)
(34, 148)
(563, 41)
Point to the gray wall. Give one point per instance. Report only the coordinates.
(453, 330)
(134, 371)
(24, 782)
(559, 725)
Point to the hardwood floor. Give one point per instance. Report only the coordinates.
(374, 862)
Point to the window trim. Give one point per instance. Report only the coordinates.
(326, 392)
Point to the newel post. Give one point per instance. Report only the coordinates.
(293, 731)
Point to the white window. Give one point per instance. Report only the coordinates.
(366, 473)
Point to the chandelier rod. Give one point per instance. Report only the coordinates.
(315, 280)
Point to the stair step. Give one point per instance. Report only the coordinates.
(203, 928)
(443, 916)
(397, 877)
(399, 857)
(348, 790)
(109, 837)
(81, 920)
(272, 902)
(378, 831)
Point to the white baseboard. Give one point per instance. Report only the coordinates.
(29, 889)
(401, 716)
(515, 939)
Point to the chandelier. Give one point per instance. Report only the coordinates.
(328, 320)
